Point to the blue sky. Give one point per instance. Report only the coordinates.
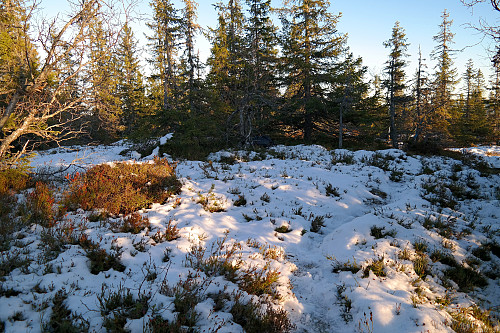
(369, 23)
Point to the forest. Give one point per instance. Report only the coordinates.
(136, 194)
(79, 78)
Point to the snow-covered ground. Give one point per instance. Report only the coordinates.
(489, 153)
(350, 192)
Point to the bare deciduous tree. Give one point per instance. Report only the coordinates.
(52, 94)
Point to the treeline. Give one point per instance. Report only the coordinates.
(294, 81)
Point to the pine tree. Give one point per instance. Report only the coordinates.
(444, 80)
(395, 80)
(310, 45)
(131, 90)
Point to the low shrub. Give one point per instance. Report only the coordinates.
(241, 201)
(122, 188)
(348, 266)
(62, 319)
(134, 223)
(255, 320)
(377, 267)
(40, 205)
(170, 234)
(378, 232)
(119, 305)
(101, 260)
(258, 282)
(332, 191)
(222, 259)
(466, 278)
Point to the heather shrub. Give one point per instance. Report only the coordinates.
(40, 205)
(122, 188)
(11, 181)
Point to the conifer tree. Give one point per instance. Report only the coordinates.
(260, 68)
(131, 90)
(494, 99)
(348, 93)
(395, 80)
(104, 101)
(18, 57)
(164, 44)
(226, 63)
(444, 78)
(310, 45)
(189, 60)
(421, 93)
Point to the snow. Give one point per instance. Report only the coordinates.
(295, 180)
(490, 154)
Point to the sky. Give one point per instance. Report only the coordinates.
(369, 23)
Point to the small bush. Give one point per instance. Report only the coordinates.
(170, 234)
(348, 266)
(265, 197)
(122, 188)
(241, 201)
(187, 294)
(421, 265)
(222, 259)
(396, 175)
(344, 158)
(420, 246)
(285, 228)
(13, 180)
(40, 205)
(317, 223)
(466, 278)
(258, 282)
(379, 193)
(332, 191)
(10, 261)
(159, 325)
(378, 232)
(119, 305)
(101, 261)
(444, 258)
(134, 223)
(62, 319)
(377, 267)
(254, 320)
(482, 252)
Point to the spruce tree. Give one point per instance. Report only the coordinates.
(131, 90)
(349, 94)
(260, 69)
(395, 80)
(421, 93)
(494, 98)
(310, 45)
(189, 61)
(444, 79)
(164, 43)
(107, 122)
(226, 63)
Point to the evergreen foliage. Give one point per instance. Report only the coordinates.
(295, 82)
